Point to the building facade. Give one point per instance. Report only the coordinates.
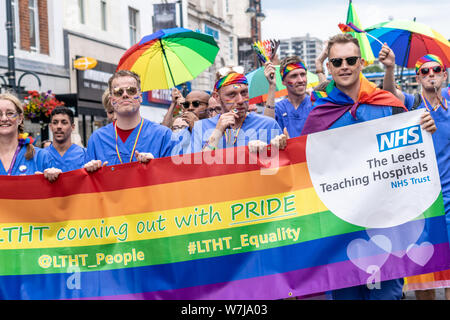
(49, 35)
(308, 48)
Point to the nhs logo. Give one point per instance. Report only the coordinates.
(399, 138)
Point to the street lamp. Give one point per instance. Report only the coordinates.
(254, 12)
(10, 81)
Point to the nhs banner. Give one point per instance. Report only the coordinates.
(378, 174)
(399, 138)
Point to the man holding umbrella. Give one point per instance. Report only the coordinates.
(431, 74)
(130, 137)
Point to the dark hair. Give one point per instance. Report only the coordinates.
(62, 110)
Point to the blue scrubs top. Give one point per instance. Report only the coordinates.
(290, 118)
(22, 166)
(154, 138)
(441, 142)
(74, 158)
(182, 142)
(390, 289)
(255, 127)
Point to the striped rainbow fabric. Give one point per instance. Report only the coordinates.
(190, 231)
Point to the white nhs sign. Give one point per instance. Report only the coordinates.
(399, 138)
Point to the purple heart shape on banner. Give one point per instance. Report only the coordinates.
(420, 254)
(363, 253)
(401, 236)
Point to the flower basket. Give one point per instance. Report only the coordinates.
(38, 106)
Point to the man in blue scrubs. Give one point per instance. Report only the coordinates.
(65, 155)
(353, 99)
(431, 74)
(236, 126)
(290, 113)
(130, 137)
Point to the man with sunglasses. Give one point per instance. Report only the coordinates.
(130, 137)
(236, 126)
(350, 99)
(194, 108)
(290, 113)
(431, 74)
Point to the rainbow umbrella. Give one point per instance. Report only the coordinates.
(409, 40)
(259, 86)
(169, 57)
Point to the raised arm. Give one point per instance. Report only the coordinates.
(168, 118)
(387, 58)
(269, 72)
(319, 63)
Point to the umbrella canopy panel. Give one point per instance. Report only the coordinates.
(409, 40)
(168, 58)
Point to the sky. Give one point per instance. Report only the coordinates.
(294, 18)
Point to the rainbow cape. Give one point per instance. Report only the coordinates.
(170, 230)
(332, 104)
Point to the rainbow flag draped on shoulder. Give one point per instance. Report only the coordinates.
(230, 224)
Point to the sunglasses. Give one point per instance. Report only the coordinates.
(337, 62)
(118, 92)
(226, 70)
(195, 104)
(215, 109)
(425, 71)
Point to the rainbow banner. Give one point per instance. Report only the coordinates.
(333, 210)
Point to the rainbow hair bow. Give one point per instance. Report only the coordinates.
(25, 138)
(229, 79)
(292, 66)
(428, 58)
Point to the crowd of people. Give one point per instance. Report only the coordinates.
(224, 119)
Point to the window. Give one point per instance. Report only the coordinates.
(103, 14)
(34, 27)
(81, 11)
(231, 44)
(133, 16)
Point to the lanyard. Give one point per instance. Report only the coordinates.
(237, 133)
(135, 142)
(13, 162)
(435, 107)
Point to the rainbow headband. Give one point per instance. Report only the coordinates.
(428, 58)
(229, 79)
(290, 67)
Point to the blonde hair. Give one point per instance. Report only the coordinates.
(342, 38)
(14, 100)
(106, 101)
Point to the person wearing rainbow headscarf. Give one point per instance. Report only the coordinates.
(290, 113)
(431, 74)
(236, 126)
(350, 99)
